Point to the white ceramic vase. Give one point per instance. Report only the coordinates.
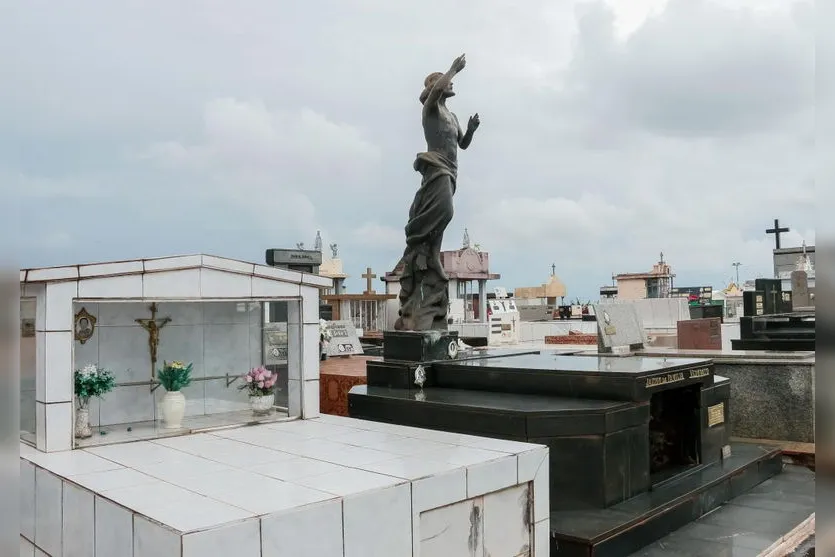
(173, 408)
(262, 405)
(82, 423)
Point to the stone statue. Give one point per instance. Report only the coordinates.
(423, 284)
(334, 250)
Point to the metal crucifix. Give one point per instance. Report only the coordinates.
(153, 326)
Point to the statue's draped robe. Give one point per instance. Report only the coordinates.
(423, 285)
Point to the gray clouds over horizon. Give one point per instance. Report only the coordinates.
(610, 133)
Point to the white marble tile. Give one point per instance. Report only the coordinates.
(58, 368)
(133, 454)
(464, 456)
(168, 263)
(27, 499)
(310, 429)
(226, 264)
(52, 273)
(225, 451)
(71, 463)
(271, 288)
(40, 366)
(337, 453)
(438, 490)
(542, 538)
(535, 466)
(296, 468)
(370, 533)
(410, 467)
(112, 479)
(226, 349)
(152, 540)
(127, 286)
(507, 521)
(59, 426)
(78, 522)
(27, 549)
(176, 507)
(449, 530)
(499, 445)
(48, 506)
(59, 297)
(394, 444)
(106, 269)
(224, 284)
(114, 528)
(310, 354)
(253, 492)
(182, 470)
(316, 281)
(310, 399)
(40, 426)
(172, 284)
(241, 539)
(310, 531)
(491, 476)
(310, 305)
(348, 481)
(277, 273)
(294, 397)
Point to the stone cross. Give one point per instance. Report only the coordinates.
(553, 269)
(369, 276)
(776, 231)
(153, 326)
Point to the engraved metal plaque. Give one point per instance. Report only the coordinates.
(609, 330)
(716, 414)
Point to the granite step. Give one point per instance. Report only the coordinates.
(640, 521)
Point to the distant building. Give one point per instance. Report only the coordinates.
(636, 286)
(468, 270)
(547, 294)
(787, 260)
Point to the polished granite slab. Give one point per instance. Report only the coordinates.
(607, 378)
(748, 524)
(639, 521)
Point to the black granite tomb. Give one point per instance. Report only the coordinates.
(639, 446)
(786, 332)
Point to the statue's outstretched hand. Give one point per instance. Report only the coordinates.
(459, 63)
(474, 122)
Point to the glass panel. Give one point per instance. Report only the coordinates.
(222, 340)
(28, 367)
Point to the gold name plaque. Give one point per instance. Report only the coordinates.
(660, 380)
(716, 414)
(609, 330)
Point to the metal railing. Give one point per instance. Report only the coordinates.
(154, 383)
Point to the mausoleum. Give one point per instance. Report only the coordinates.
(131, 316)
(293, 483)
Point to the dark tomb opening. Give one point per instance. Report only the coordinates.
(673, 432)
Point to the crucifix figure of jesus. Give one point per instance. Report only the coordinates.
(153, 326)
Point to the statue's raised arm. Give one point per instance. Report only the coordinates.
(434, 92)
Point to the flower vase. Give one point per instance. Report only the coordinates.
(173, 408)
(82, 423)
(262, 405)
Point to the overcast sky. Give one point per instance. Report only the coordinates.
(611, 131)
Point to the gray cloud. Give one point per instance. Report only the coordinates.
(202, 126)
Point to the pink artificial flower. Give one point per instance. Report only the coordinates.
(249, 379)
(260, 384)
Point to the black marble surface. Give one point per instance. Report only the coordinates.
(419, 346)
(772, 401)
(634, 378)
(747, 524)
(637, 522)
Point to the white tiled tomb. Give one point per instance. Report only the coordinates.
(323, 487)
(214, 305)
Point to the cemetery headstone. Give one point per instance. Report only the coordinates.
(753, 303)
(800, 290)
(772, 294)
(344, 340)
(619, 329)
